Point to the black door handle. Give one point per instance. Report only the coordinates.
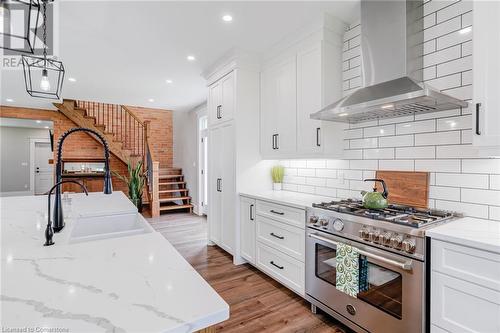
(276, 236)
(318, 143)
(272, 263)
(251, 212)
(478, 107)
(275, 212)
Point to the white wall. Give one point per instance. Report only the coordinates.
(186, 147)
(439, 143)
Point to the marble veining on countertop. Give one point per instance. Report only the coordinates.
(472, 232)
(294, 199)
(135, 283)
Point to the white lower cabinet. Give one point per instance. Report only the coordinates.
(272, 238)
(465, 289)
(247, 229)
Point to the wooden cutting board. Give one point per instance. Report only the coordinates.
(406, 188)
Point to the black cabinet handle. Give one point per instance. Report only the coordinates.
(275, 212)
(272, 263)
(219, 184)
(277, 141)
(219, 113)
(277, 236)
(251, 212)
(318, 143)
(478, 107)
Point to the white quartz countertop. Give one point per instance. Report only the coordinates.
(293, 199)
(472, 232)
(136, 283)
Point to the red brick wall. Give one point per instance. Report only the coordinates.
(82, 145)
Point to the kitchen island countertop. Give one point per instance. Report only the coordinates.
(136, 283)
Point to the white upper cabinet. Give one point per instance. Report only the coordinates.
(221, 100)
(279, 108)
(486, 76)
(300, 80)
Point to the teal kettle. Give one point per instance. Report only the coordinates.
(375, 200)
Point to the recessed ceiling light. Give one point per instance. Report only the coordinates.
(10, 100)
(169, 81)
(151, 100)
(343, 114)
(190, 58)
(71, 79)
(38, 121)
(465, 30)
(387, 106)
(47, 127)
(227, 18)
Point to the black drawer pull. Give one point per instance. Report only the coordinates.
(277, 236)
(275, 212)
(278, 266)
(478, 107)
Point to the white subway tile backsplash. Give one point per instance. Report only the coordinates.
(397, 165)
(416, 127)
(396, 141)
(491, 166)
(444, 193)
(462, 180)
(486, 197)
(437, 165)
(439, 138)
(378, 153)
(416, 152)
(438, 142)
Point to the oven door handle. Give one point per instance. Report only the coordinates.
(407, 265)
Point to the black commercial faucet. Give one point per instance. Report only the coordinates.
(49, 232)
(108, 187)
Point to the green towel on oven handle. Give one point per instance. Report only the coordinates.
(347, 269)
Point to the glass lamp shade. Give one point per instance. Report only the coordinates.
(43, 77)
(19, 20)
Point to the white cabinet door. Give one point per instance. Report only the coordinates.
(227, 187)
(247, 229)
(214, 102)
(486, 73)
(221, 100)
(279, 109)
(309, 100)
(215, 175)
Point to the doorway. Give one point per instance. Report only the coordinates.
(203, 164)
(42, 177)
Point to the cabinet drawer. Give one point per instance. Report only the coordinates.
(460, 306)
(285, 214)
(473, 265)
(283, 268)
(283, 237)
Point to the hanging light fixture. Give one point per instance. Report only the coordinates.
(43, 76)
(16, 38)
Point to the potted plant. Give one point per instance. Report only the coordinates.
(135, 181)
(277, 173)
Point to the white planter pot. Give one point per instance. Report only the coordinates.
(277, 186)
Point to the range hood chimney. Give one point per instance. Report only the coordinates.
(392, 61)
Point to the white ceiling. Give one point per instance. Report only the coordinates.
(124, 51)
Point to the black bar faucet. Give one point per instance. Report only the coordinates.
(49, 231)
(108, 187)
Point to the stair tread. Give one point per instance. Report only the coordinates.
(173, 207)
(174, 199)
(171, 183)
(170, 176)
(173, 191)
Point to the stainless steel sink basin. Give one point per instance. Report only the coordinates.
(101, 227)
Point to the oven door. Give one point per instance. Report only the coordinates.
(392, 300)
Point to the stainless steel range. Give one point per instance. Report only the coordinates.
(392, 244)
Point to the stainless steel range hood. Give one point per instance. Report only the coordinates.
(392, 62)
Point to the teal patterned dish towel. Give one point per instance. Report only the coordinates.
(347, 275)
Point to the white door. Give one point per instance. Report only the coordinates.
(227, 97)
(203, 172)
(228, 188)
(214, 183)
(44, 177)
(247, 229)
(214, 103)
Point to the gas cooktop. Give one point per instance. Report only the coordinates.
(399, 214)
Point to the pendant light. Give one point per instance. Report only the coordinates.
(43, 76)
(13, 38)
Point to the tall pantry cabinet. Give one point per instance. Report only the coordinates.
(233, 147)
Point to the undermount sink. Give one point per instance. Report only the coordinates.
(112, 226)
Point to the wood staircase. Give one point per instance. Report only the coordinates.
(129, 140)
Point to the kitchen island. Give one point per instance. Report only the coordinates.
(123, 283)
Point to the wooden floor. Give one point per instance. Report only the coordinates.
(257, 302)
